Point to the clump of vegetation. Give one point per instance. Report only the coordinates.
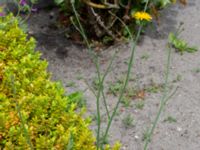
(128, 121)
(114, 88)
(181, 45)
(139, 104)
(126, 101)
(170, 119)
(34, 111)
(102, 19)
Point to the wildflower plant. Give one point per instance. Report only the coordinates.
(139, 16)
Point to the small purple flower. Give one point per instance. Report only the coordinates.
(2, 14)
(34, 9)
(22, 2)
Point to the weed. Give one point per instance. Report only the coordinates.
(163, 100)
(71, 84)
(154, 88)
(118, 113)
(126, 101)
(196, 70)
(114, 88)
(170, 119)
(131, 92)
(126, 61)
(139, 105)
(145, 56)
(145, 136)
(178, 78)
(95, 83)
(94, 117)
(180, 45)
(79, 76)
(128, 121)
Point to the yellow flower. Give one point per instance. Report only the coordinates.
(141, 16)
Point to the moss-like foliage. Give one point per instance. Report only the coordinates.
(34, 113)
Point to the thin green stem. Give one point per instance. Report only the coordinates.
(96, 62)
(105, 104)
(103, 79)
(130, 64)
(125, 84)
(164, 98)
(162, 103)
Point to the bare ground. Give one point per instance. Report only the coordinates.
(71, 64)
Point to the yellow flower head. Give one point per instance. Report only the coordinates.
(141, 16)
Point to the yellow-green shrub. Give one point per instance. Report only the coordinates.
(33, 110)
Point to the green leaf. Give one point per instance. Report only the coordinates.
(164, 3)
(180, 45)
(58, 2)
(34, 1)
(71, 142)
(192, 49)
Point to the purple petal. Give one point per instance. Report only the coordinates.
(2, 14)
(22, 2)
(34, 9)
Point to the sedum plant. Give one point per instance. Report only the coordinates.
(34, 113)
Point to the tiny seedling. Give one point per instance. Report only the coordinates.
(79, 77)
(126, 101)
(126, 61)
(145, 136)
(178, 78)
(94, 117)
(170, 119)
(180, 45)
(114, 88)
(128, 121)
(95, 83)
(154, 88)
(118, 113)
(145, 56)
(71, 84)
(131, 92)
(139, 104)
(196, 70)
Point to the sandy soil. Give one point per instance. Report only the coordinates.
(71, 64)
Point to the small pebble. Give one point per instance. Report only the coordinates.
(136, 137)
(179, 129)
